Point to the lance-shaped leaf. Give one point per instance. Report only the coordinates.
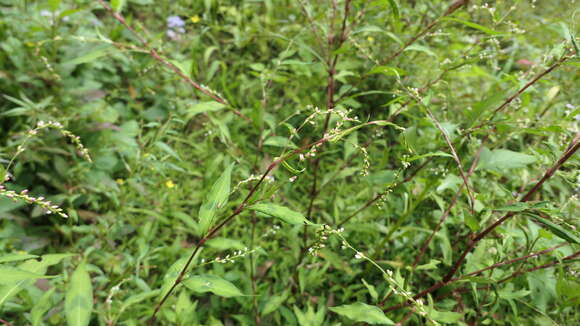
(215, 199)
(172, 274)
(12, 275)
(78, 303)
(41, 307)
(34, 266)
(362, 312)
(569, 235)
(213, 284)
(16, 257)
(283, 213)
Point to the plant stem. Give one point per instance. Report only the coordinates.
(153, 52)
(572, 148)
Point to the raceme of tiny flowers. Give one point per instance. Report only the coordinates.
(323, 234)
(40, 201)
(229, 258)
(84, 153)
(252, 177)
(23, 195)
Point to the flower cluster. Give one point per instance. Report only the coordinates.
(322, 236)
(229, 258)
(49, 207)
(40, 201)
(84, 153)
(175, 27)
(53, 16)
(271, 231)
(396, 284)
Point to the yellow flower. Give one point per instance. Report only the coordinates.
(370, 39)
(169, 184)
(120, 181)
(195, 19)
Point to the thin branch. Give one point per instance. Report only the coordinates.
(312, 25)
(153, 52)
(227, 220)
(572, 148)
(547, 265)
(406, 317)
(330, 103)
(519, 92)
(547, 175)
(451, 205)
(5, 322)
(509, 262)
(513, 275)
(455, 157)
(382, 194)
(451, 9)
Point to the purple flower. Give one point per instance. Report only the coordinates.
(175, 22)
(45, 13)
(577, 117)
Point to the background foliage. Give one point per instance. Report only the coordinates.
(170, 163)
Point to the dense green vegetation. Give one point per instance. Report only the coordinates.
(278, 162)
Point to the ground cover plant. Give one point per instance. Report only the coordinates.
(274, 162)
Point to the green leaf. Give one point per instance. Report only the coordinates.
(451, 181)
(576, 48)
(283, 213)
(41, 307)
(215, 200)
(167, 149)
(12, 275)
(515, 207)
(432, 264)
(473, 25)
(381, 123)
(2, 174)
(138, 298)
(372, 290)
(213, 284)
(395, 9)
(418, 157)
(273, 303)
(225, 244)
(185, 310)
(420, 48)
(501, 159)
(291, 168)
(53, 4)
(362, 312)
(172, 274)
(559, 231)
(78, 303)
(203, 107)
(117, 5)
(16, 257)
(279, 141)
(34, 266)
(449, 317)
(387, 71)
(92, 55)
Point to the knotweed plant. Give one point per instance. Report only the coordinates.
(290, 163)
